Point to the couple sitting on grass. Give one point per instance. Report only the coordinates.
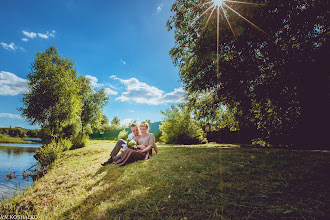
(145, 141)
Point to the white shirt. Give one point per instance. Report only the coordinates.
(131, 136)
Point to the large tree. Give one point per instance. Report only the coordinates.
(53, 97)
(272, 80)
(93, 103)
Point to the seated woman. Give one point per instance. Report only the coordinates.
(145, 141)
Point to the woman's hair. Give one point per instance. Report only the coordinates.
(144, 124)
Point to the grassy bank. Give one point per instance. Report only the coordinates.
(181, 183)
(4, 138)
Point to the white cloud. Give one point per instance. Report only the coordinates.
(142, 93)
(45, 36)
(94, 81)
(8, 46)
(131, 111)
(30, 34)
(10, 84)
(109, 92)
(159, 8)
(41, 35)
(123, 61)
(51, 34)
(9, 115)
(126, 121)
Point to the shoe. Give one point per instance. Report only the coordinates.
(107, 162)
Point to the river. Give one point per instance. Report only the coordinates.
(14, 160)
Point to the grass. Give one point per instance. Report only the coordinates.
(181, 183)
(4, 138)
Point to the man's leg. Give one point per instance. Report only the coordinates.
(117, 148)
(114, 152)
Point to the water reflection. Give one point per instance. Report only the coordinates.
(14, 160)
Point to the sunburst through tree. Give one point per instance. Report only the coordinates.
(221, 9)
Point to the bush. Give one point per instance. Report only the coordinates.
(65, 144)
(48, 154)
(79, 141)
(123, 134)
(180, 128)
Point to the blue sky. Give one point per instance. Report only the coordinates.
(122, 46)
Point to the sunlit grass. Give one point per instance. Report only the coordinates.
(196, 183)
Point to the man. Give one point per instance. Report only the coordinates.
(113, 155)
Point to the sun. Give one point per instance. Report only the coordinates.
(218, 3)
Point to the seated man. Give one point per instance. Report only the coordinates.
(113, 155)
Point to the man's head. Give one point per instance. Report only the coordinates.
(135, 129)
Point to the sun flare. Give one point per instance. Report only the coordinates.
(218, 3)
(224, 9)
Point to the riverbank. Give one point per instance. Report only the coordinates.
(4, 138)
(192, 183)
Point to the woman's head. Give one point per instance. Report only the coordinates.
(144, 127)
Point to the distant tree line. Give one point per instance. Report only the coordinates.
(20, 132)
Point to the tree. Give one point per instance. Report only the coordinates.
(178, 127)
(93, 103)
(115, 121)
(270, 83)
(53, 96)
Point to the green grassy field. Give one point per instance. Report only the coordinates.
(4, 138)
(181, 183)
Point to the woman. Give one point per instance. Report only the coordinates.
(145, 141)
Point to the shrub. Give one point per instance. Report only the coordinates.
(79, 140)
(65, 144)
(180, 128)
(123, 134)
(48, 154)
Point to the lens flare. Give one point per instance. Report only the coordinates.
(222, 7)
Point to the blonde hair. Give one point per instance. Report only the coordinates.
(144, 124)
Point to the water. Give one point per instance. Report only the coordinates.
(14, 159)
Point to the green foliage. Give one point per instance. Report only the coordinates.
(93, 103)
(178, 127)
(5, 138)
(269, 83)
(49, 153)
(53, 96)
(65, 144)
(123, 134)
(115, 121)
(79, 140)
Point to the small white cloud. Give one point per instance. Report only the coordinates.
(94, 81)
(159, 8)
(8, 46)
(109, 91)
(45, 36)
(51, 34)
(131, 111)
(41, 35)
(123, 61)
(142, 93)
(126, 121)
(9, 115)
(10, 84)
(30, 34)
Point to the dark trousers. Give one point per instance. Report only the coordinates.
(116, 149)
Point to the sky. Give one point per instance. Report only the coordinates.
(122, 46)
